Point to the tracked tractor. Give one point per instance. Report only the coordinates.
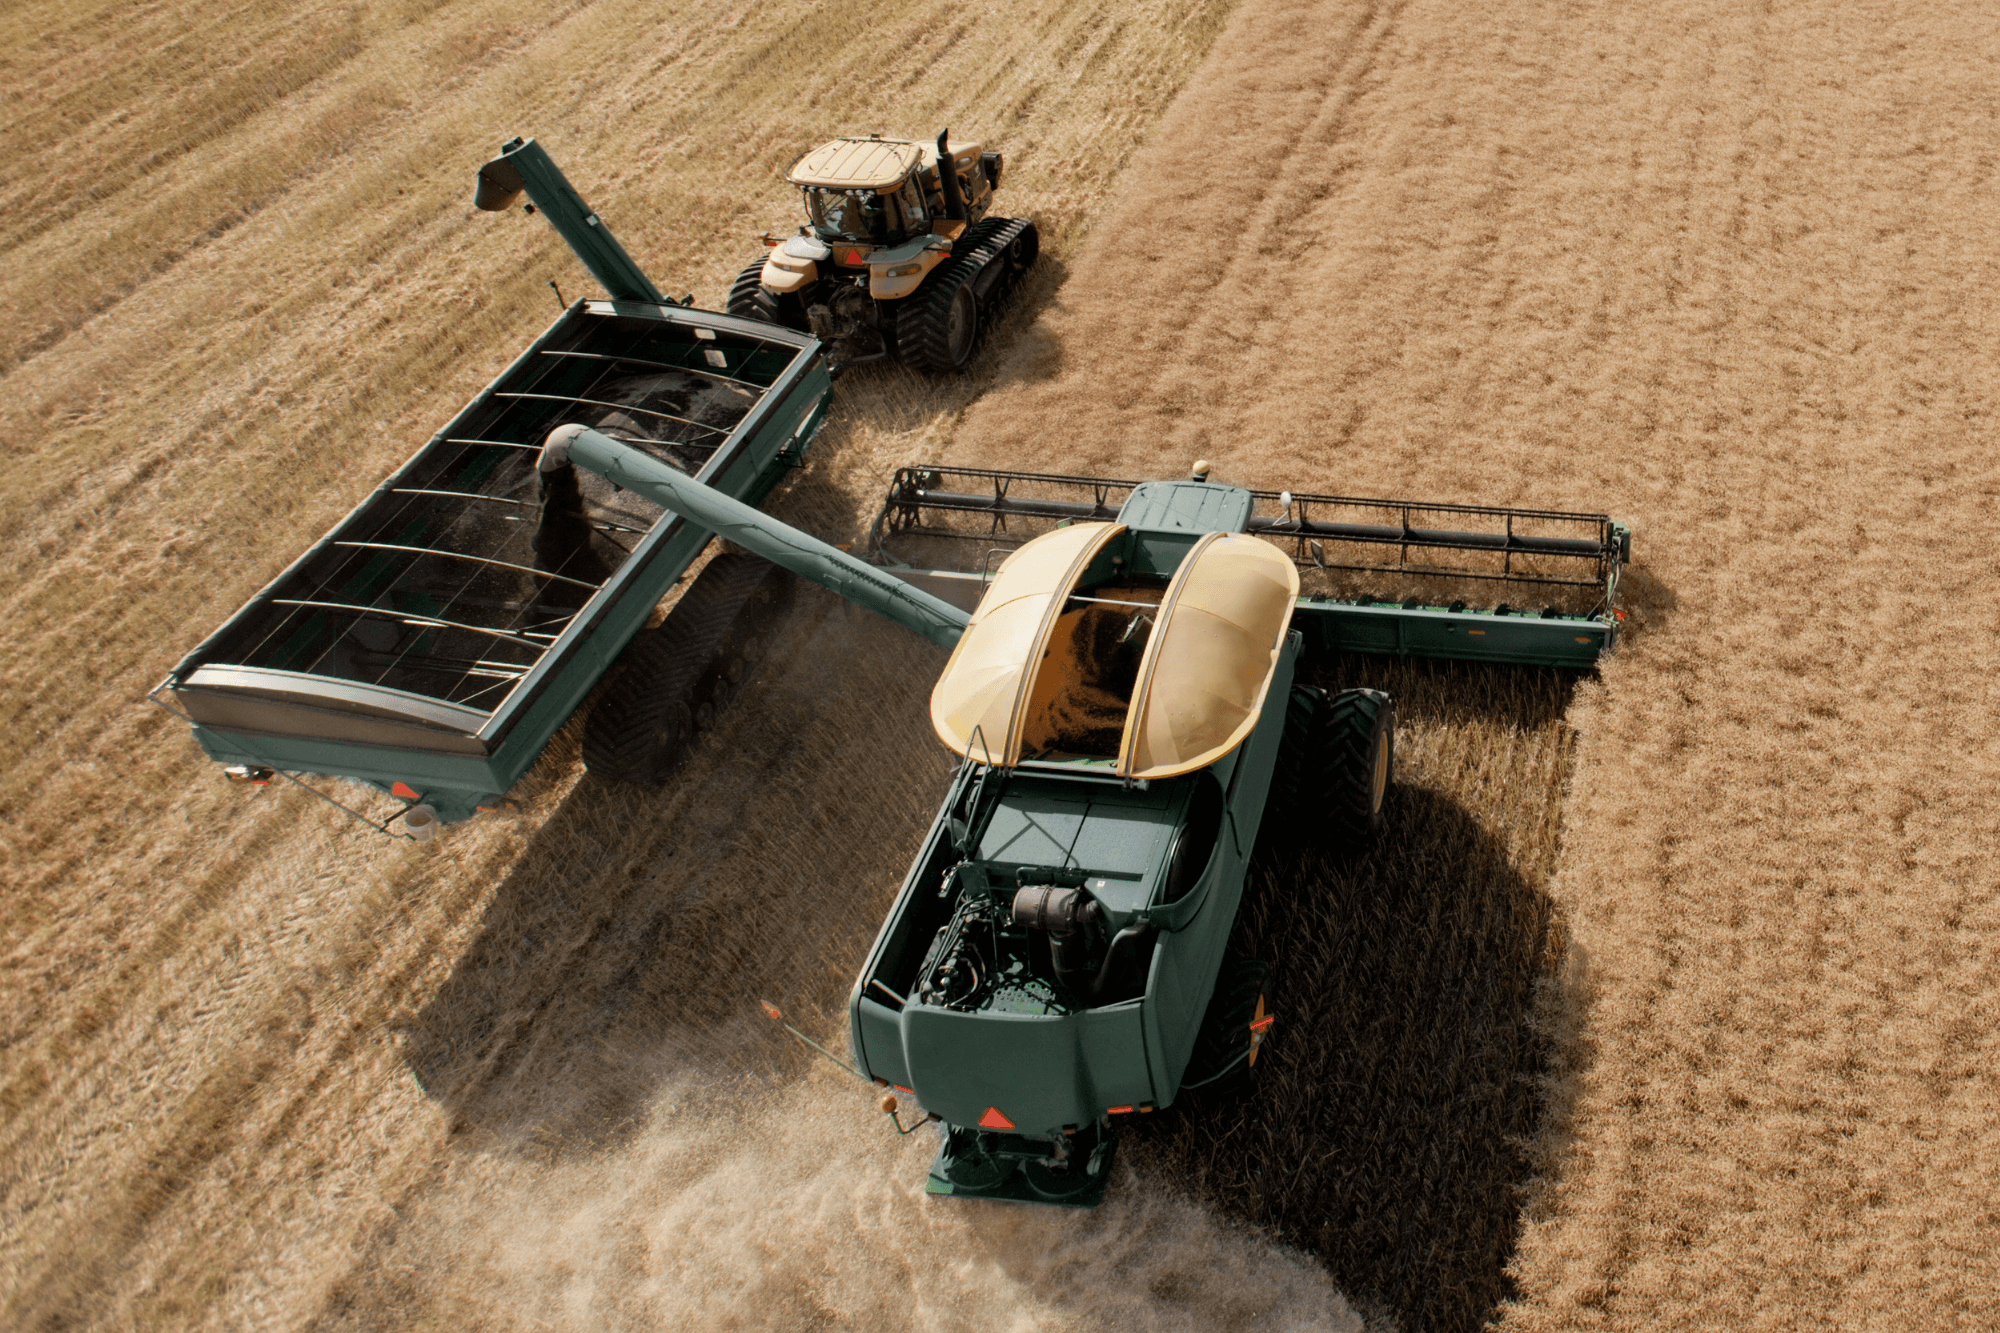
(1124, 702)
(900, 255)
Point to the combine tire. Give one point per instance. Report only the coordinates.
(1359, 745)
(750, 299)
(676, 678)
(1339, 754)
(1228, 1041)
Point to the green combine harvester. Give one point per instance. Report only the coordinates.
(1123, 702)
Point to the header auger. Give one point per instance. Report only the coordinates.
(899, 255)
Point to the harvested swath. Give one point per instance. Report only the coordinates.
(1391, 1122)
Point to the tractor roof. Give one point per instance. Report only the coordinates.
(857, 164)
(1201, 678)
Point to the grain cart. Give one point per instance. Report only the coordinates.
(434, 640)
(1122, 700)
(898, 256)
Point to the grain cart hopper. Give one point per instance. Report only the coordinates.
(1123, 703)
(899, 255)
(433, 641)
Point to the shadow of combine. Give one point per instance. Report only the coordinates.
(629, 939)
(1415, 1087)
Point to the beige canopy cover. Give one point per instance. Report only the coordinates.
(1210, 658)
(986, 684)
(1201, 680)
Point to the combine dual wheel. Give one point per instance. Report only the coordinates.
(1338, 757)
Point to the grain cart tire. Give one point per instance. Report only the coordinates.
(749, 298)
(1226, 1045)
(677, 677)
(641, 729)
(1357, 752)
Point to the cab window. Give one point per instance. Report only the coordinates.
(850, 215)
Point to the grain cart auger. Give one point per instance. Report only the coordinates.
(1122, 700)
(433, 641)
(898, 256)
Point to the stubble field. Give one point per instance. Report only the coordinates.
(1668, 1001)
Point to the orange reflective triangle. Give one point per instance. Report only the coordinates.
(860, 257)
(994, 1120)
(400, 790)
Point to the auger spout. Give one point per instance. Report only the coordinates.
(783, 545)
(523, 165)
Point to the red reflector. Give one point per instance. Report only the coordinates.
(1263, 1022)
(900, 1088)
(994, 1120)
(400, 790)
(861, 257)
(1118, 1110)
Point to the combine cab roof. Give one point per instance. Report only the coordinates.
(1200, 682)
(857, 164)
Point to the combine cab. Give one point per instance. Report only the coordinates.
(1123, 702)
(899, 255)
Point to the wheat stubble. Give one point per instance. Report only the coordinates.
(1726, 272)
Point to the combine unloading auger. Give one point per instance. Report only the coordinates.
(1123, 700)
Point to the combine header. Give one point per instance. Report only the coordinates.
(1123, 702)
(1402, 577)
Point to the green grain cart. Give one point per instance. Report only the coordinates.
(439, 635)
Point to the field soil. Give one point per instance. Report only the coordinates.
(1667, 999)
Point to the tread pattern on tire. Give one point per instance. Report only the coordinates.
(1325, 770)
(1347, 739)
(922, 320)
(750, 299)
(642, 726)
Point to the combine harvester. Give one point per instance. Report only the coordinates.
(440, 634)
(1122, 698)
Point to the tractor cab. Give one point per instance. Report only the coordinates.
(886, 192)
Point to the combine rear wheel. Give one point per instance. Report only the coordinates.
(1233, 1029)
